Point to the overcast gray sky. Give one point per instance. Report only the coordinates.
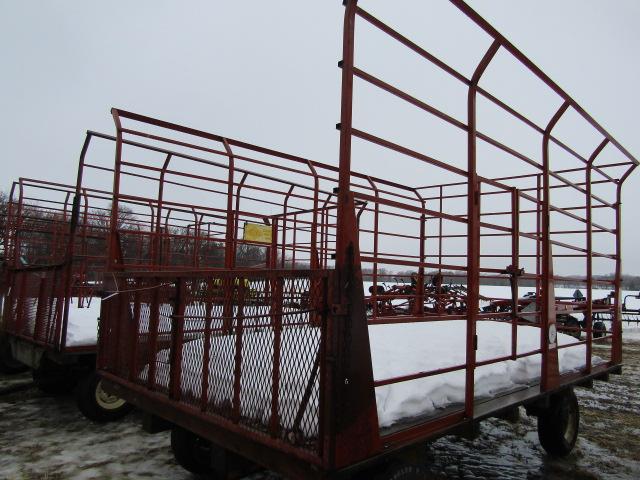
(266, 72)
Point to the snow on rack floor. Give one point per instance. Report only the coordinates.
(46, 437)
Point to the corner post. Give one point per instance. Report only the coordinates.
(473, 231)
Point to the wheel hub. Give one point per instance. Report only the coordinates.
(106, 400)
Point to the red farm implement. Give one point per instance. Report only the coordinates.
(55, 256)
(260, 325)
(56, 243)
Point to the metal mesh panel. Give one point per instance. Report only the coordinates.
(137, 330)
(244, 346)
(35, 305)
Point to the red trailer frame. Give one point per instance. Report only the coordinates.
(40, 281)
(188, 346)
(55, 254)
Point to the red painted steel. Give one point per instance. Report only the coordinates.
(55, 251)
(49, 265)
(198, 324)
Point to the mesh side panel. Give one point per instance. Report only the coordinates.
(160, 354)
(143, 335)
(28, 303)
(243, 348)
(34, 308)
(45, 314)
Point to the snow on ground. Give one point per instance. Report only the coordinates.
(43, 437)
(631, 332)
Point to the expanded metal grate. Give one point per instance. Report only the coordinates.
(245, 347)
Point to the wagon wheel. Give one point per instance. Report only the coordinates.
(396, 468)
(53, 378)
(573, 323)
(97, 404)
(599, 329)
(198, 455)
(193, 453)
(8, 364)
(402, 471)
(558, 424)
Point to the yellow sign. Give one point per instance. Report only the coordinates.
(256, 232)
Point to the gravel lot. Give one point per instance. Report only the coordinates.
(44, 437)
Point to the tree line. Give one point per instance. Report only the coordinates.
(43, 238)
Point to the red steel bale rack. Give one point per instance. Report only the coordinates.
(270, 357)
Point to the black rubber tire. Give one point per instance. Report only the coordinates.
(193, 453)
(402, 471)
(599, 329)
(572, 322)
(92, 401)
(8, 364)
(559, 424)
(54, 379)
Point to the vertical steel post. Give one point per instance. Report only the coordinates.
(272, 260)
(350, 410)
(206, 353)
(324, 231)
(239, 330)
(293, 240)
(283, 248)
(589, 255)
(229, 260)
(548, 331)
(236, 221)
(177, 340)
(277, 292)
(229, 253)
(196, 238)
(10, 249)
(84, 241)
(154, 326)
(515, 262)
(157, 243)
(70, 246)
(313, 247)
(616, 346)
(440, 207)
(19, 221)
(114, 250)
(538, 243)
(376, 223)
(473, 231)
(419, 294)
(134, 337)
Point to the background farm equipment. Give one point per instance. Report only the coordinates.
(402, 298)
(630, 313)
(572, 311)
